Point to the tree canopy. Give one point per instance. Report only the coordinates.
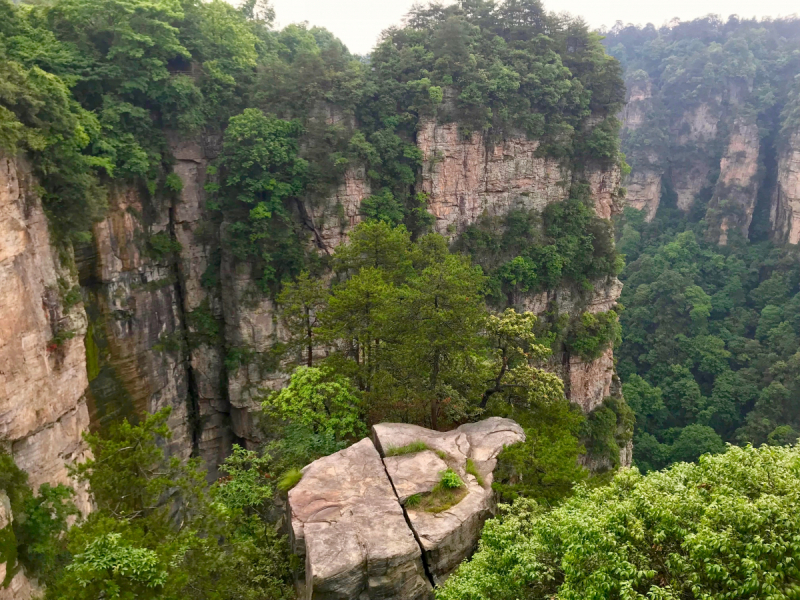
(724, 527)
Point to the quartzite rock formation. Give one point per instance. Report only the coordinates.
(359, 542)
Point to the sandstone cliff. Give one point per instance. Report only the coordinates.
(785, 207)
(160, 314)
(43, 375)
(713, 159)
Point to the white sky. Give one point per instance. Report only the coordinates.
(358, 23)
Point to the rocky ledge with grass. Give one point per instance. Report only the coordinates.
(392, 516)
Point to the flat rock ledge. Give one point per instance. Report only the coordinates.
(349, 525)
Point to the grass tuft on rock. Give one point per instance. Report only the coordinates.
(411, 448)
(413, 501)
(447, 493)
(289, 479)
(473, 470)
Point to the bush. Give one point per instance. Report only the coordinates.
(450, 480)
(724, 528)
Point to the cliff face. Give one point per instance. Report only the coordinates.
(43, 375)
(160, 314)
(466, 178)
(737, 186)
(785, 208)
(644, 183)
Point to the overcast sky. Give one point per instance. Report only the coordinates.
(358, 23)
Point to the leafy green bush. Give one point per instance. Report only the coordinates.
(450, 480)
(709, 530)
(591, 334)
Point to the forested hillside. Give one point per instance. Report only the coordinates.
(229, 250)
(270, 245)
(710, 327)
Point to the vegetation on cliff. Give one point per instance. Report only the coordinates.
(392, 325)
(710, 336)
(693, 81)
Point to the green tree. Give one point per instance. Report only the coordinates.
(301, 302)
(320, 400)
(155, 531)
(261, 175)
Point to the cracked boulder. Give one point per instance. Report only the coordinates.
(348, 520)
(449, 536)
(349, 525)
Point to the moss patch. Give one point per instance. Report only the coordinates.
(440, 499)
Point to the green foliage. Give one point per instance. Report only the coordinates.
(156, 531)
(592, 333)
(545, 466)
(712, 529)
(301, 301)
(320, 400)
(525, 252)
(204, 327)
(705, 61)
(261, 174)
(608, 429)
(413, 501)
(246, 484)
(34, 538)
(411, 448)
(710, 338)
(450, 480)
(289, 479)
(473, 470)
(161, 246)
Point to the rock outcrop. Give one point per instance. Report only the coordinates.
(357, 539)
(643, 186)
(466, 177)
(348, 525)
(447, 537)
(785, 208)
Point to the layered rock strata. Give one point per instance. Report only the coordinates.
(181, 323)
(349, 524)
(43, 409)
(785, 208)
(465, 178)
(737, 186)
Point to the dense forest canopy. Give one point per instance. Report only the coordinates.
(723, 528)
(710, 333)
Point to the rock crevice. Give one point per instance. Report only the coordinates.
(358, 539)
